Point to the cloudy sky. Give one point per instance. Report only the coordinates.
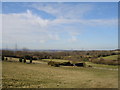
(60, 25)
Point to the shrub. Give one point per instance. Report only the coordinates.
(24, 60)
(55, 64)
(89, 66)
(80, 64)
(28, 57)
(51, 63)
(3, 58)
(30, 60)
(66, 64)
(20, 59)
(85, 59)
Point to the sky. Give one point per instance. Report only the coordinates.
(60, 25)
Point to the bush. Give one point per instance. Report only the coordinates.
(30, 60)
(20, 59)
(56, 65)
(85, 59)
(24, 60)
(28, 57)
(66, 64)
(80, 64)
(3, 58)
(89, 66)
(52, 63)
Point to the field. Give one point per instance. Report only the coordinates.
(56, 60)
(22, 75)
(112, 57)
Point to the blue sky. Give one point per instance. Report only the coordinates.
(60, 25)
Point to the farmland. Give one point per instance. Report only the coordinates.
(100, 69)
(22, 75)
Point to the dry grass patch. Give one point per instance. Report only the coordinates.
(22, 75)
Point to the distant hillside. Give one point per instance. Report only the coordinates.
(109, 60)
(112, 57)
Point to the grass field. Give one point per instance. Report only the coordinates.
(102, 65)
(55, 60)
(113, 57)
(21, 75)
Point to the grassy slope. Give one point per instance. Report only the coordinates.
(102, 65)
(21, 75)
(113, 57)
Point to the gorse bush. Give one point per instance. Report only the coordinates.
(30, 60)
(24, 60)
(20, 59)
(52, 63)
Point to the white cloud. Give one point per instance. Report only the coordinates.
(26, 28)
(91, 22)
(64, 10)
(29, 28)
